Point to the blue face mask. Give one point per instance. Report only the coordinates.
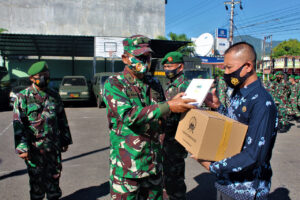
(172, 73)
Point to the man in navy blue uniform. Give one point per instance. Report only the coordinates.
(246, 175)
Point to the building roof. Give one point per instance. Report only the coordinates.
(62, 45)
(46, 45)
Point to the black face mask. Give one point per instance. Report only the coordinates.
(42, 82)
(171, 73)
(278, 79)
(234, 80)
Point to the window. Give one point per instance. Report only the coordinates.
(103, 79)
(74, 82)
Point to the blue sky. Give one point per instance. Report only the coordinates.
(259, 18)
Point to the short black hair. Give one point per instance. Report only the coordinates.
(243, 46)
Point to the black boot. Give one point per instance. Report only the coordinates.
(283, 128)
(290, 117)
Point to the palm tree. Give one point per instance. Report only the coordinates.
(186, 50)
(2, 30)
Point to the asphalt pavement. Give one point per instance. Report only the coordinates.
(86, 164)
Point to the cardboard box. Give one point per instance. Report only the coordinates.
(209, 135)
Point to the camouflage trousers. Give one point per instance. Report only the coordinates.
(148, 188)
(282, 114)
(295, 107)
(290, 110)
(44, 173)
(174, 168)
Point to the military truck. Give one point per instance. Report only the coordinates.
(98, 86)
(74, 88)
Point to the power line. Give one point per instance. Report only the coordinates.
(270, 14)
(191, 15)
(196, 26)
(189, 10)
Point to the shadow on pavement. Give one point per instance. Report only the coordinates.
(205, 189)
(15, 173)
(85, 154)
(90, 193)
(280, 194)
(24, 171)
(5, 108)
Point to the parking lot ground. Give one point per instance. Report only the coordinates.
(86, 164)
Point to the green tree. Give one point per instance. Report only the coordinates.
(186, 50)
(287, 48)
(218, 72)
(2, 30)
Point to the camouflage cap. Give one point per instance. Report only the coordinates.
(172, 57)
(37, 68)
(279, 73)
(297, 77)
(137, 45)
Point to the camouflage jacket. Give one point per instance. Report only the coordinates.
(295, 90)
(280, 93)
(134, 108)
(222, 92)
(298, 95)
(174, 87)
(270, 87)
(39, 121)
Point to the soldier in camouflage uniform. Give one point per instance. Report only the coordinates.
(297, 78)
(174, 153)
(295, 101)
(222, 91)
(280, 97)
(289, 87)
(260, 77)
(135, 105)
(270, 85)
(41, 133)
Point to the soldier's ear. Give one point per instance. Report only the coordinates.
(125, 59)
(181, 66)
(249, 66)
(31, 79)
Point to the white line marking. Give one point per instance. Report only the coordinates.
(6, 129)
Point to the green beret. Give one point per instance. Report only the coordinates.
(172, 57)
(297, 77)
(279, 73)
(37, 68)
(259, 74)
(292, 76)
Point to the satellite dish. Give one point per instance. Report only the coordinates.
(204, 44)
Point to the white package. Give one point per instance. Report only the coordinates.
(198, 89)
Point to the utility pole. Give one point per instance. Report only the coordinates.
(232, 3)
(271, 59)
(264, 51)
